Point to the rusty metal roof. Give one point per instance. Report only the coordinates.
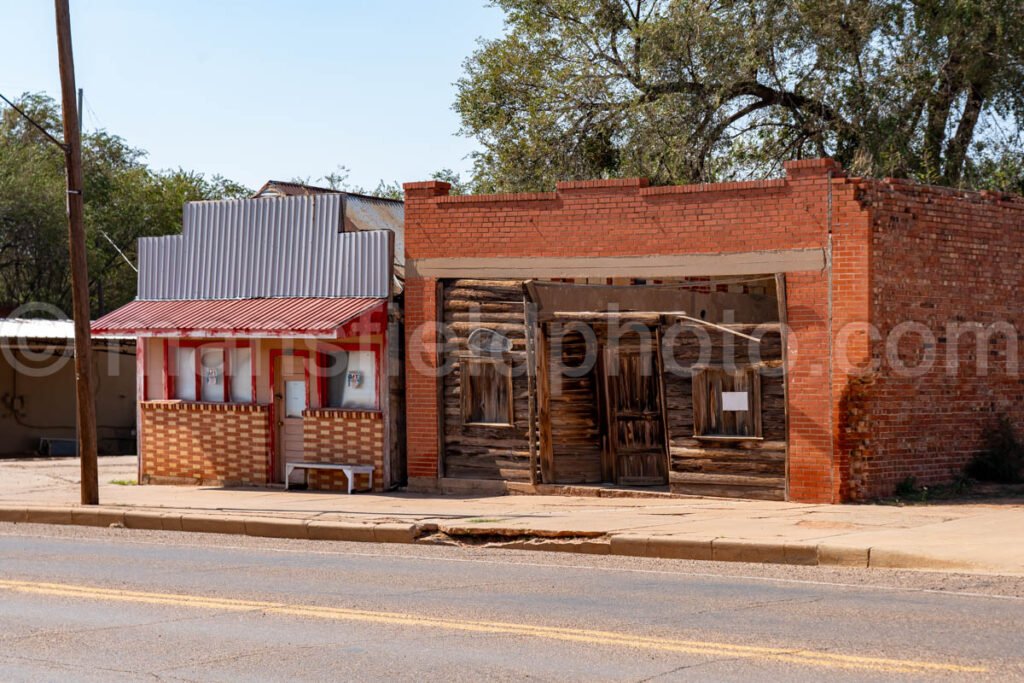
(284, 317)
(373, 213)
(284, 188)
(271, 247)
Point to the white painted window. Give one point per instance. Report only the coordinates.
(240, 369)
(185, 373)
(212, 378)
(360, 381)
(294, 398)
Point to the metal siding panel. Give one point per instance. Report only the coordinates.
(251, 248)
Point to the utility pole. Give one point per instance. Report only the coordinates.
(79, 263)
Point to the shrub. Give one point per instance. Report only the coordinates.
(1003, 457)
(907, 488)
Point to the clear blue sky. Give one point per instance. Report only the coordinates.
(256, 90)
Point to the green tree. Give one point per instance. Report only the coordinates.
(124, 200)
(708, 90)
(338, 180)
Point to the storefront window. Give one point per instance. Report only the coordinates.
(185, 373)
(213, 372)
(212, 384)
(351, 379)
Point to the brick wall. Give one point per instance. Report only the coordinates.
(627, 218)
(421, 386)
(204, 443)
(937, 256)
(343, 436)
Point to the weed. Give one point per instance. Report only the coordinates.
(907, 488)
(124, 482)
(1002, 460)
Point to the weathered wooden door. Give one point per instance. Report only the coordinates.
(636, 420)
(291, 398)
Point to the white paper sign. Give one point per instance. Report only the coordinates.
(735, 401)
(294, 398)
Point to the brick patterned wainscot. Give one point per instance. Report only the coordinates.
(348, 437)
(204, 443)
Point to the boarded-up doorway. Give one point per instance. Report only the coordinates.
(635, 447)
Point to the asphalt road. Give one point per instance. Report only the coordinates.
(112, 604)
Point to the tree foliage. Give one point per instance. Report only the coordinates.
(338, 180)
(124, 200)
(707, 90)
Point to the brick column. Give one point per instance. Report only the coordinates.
(422, 383)
(810, 450)
(819, 304)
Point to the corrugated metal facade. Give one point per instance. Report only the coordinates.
(261, 248)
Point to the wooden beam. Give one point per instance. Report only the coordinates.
(780, 293)
(656, 266)
(530, 317)
(547, 463)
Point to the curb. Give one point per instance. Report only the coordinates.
(622, 544)
(240, 525)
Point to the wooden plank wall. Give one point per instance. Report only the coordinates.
(575, 419)
(476, 452)
(751, 469)
(746, 469)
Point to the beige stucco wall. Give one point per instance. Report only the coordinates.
(38, 400)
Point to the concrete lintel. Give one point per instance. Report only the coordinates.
(654, 266)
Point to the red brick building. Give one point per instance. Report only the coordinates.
(893, 308)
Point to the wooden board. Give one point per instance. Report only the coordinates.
(573, 416)
(731, 467)
(484, 451)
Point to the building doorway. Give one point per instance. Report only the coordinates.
(635, 444)
(291, 400)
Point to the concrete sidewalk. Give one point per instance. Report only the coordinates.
(975, 537)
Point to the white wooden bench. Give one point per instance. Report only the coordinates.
(350, 471)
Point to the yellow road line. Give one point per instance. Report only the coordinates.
(585, 636)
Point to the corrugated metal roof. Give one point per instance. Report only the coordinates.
(32, 328)
(250, 317)
(269, 247)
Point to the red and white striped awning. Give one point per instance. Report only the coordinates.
(282, 317)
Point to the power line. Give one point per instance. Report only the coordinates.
(28, 118)
(97, 121)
